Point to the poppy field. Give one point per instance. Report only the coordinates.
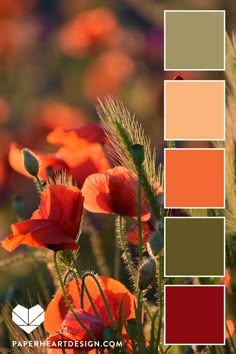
(115, 237)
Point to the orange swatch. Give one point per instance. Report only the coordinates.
(194, 110)
(194, 178)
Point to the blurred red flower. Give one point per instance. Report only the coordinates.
(58, 114)
(45, 160)
(16, 41)
(62, 324)
(88, 30)
(107, 74)
(114, 192)
(227, 280)
(148, 228)
(16, 8)
(54, 225)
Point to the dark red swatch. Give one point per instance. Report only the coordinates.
(194, 314)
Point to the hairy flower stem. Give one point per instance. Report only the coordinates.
(160, 300)
(117, 260)
(39, 183)
(85, 287)
(67, 301)
(126, 253)
(102, 295)
(129, 263)
(231, 339)
(140, 231)
(153, 200)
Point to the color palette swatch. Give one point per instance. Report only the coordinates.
(194, 246)
(194, 314)
(194, 110)
(194, 40)
(194, 178)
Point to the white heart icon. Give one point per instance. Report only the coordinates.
(28, 319)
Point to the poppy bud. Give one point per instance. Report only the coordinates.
(179, 77)
(147, 273)
(31, 162)
(155, 243)
(137, 153)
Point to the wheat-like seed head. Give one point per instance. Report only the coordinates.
(122, 131)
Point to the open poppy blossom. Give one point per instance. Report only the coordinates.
(148, 228)
(63, 325)
(114, 192)
(54, 225)
(82, 150)
(83, 163)
(45, 161)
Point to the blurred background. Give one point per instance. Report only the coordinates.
(56, 58)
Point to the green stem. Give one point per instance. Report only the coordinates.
(153, 200)
(39, 183)
(117, 260)
(140, 232)
(67, 301)
(82, 289)
(231, 339)
(128, 261)
(102, 295)
(167, 349)
(126, 252)
(160, 281)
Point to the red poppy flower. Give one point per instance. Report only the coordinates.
(88, 30)
(48, 160)
(148, 228)
(76, 139)
(62, 324)
(54, 225)
(81, 150)
(114, 192)
(102, 75)
(58, 114)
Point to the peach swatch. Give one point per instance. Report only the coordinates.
(194, 178)
(194, 110)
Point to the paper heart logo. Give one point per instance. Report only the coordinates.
(28, 319)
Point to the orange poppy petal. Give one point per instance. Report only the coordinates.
(77, 139)
(85, 162)
(64, 206)
(114, 292)
(132, 235)
(16, 161)
(36, 233)
(114, 192)
(11, 242)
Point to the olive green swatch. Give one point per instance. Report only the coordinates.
(194, 40)
(194, 246)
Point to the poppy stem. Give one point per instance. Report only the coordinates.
(231, 339)
(83, 287)
(125, 250)
(39, 183)
(117, 260)
(160, 298)
(140, 231)
(67, 301)
(102, 295)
